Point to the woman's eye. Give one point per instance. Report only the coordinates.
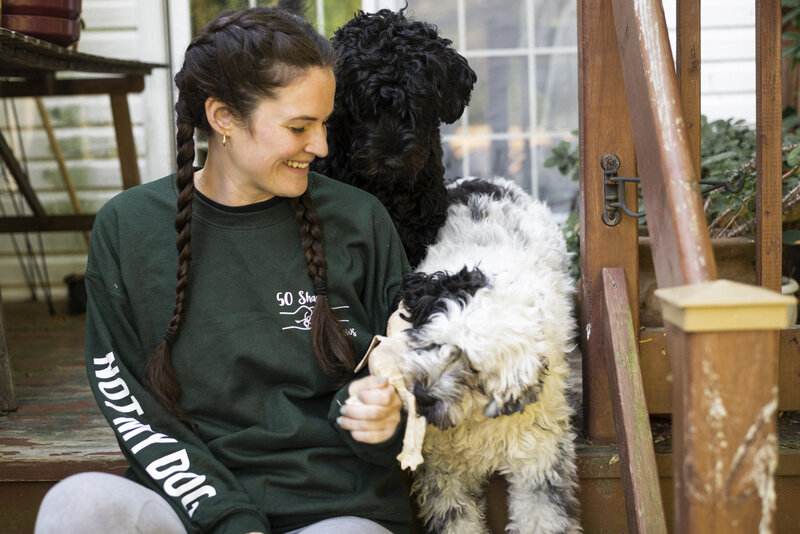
(297, 129)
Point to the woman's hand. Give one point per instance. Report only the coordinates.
(372, 412)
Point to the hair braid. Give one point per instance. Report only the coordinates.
(240, 58)
(159, 373)
(333, 348)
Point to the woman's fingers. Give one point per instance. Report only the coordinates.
(372, 412)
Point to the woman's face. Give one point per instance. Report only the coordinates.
(271, 157)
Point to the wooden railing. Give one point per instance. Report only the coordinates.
(641, 113)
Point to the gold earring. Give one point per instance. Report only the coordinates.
(224, 140)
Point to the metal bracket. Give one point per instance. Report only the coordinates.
(615, 192)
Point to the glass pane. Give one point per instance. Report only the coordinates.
(441, 13)
(499, 101)
(453, 159)
(555, 23)
(495, 24)
(558, 191)
(507, 158)
(557, 92)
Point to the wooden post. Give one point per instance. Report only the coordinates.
(723, 340)
(681, 247)
(687, 54)
(604, 126)
(126, 147)
(643, 504)
(8, 392)
(768, 144)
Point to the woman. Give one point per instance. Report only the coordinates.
(235, 419)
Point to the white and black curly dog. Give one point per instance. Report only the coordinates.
(490, 301)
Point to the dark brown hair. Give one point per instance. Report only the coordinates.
(239, 58)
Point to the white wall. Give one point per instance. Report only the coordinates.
(727, 57)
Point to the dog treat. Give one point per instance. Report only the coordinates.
(382, 356)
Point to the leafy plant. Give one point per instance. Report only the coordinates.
(564, 157)
(728, 154)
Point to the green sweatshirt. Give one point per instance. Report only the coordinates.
(268, 455)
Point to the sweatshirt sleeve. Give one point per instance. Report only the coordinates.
(164, 454)
(388, 266)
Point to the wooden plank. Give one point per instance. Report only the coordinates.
(8, 392)
(687, 55)
(71, 87)
(657, 375)
(53, 223)
(723, 430)
(768, 144)
(643, 503)
(604, 127)
(789, 370)
(125, 144)
(675, 219)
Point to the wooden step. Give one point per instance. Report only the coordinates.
(58, 431)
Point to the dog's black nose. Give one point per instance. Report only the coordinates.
(425, 401)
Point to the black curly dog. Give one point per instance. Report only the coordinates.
(398, 80)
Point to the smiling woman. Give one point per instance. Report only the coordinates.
(269, 154)
(235, 419)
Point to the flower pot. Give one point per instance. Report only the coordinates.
(54, 21)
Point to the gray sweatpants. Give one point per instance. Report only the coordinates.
(98, 503)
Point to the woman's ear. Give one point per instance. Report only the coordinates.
(219, 116)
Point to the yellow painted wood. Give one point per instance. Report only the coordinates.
(724, 305)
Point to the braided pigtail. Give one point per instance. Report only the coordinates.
(159, 373)
(333, 348)
(240, 58)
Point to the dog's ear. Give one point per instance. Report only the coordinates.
(455, 90)
(425, 294)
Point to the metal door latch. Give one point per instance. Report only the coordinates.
(615, 192)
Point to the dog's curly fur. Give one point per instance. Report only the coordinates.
(491, 318)
(396, 82)
(490, 301)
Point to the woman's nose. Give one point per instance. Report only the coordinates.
(318, 144)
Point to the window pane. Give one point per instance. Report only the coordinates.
(555, 23)
(441, 13)
(557, 190)
(495, 24)
(499, 98)
(508, 158)
(557, 92)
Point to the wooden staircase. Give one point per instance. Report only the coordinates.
(721, 357)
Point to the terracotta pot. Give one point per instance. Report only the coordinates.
(54, 21)
(735, 258)
(67, 9)
(56, 30)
